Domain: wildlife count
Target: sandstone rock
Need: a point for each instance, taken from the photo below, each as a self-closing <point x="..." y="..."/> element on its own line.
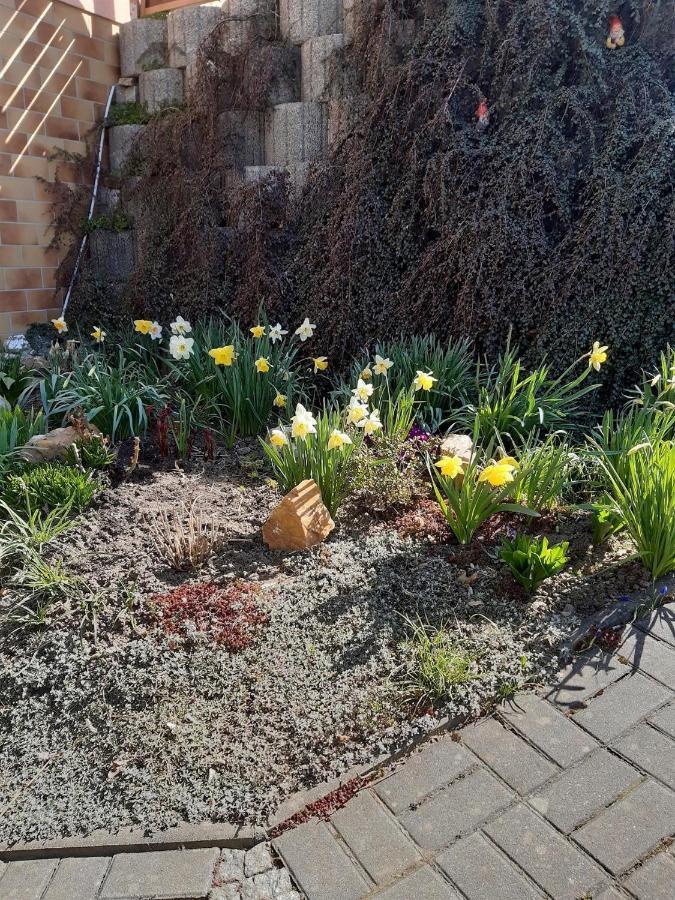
<point x="458" y="445"/>
<point x="53" y="445"/>
<point x="300" y="521"/>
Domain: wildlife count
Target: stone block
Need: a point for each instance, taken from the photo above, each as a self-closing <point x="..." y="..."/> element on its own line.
<point x="27" y="879"/>
<point x="480" y="871"/>
<point x="562" y="870"/>
<point x="242" y="137"/>
<point x="623" y="704"/>
<point x="424" y="884"/>
<point x="630" y="828"/>
<point x="456" y="809"/>
<point x="160" y="88"/>
<point x="187" y="29"/>
<point x="77" y="878"/>
<point x="300" y="521"/>
<point x="173" y="873"/>
<point x="121" y="142"/>
<point x="654" y="880"/>
<point x="651" y="751"/>
<point x="301" y="20"/>
<point x="521" y="767"/>
<point x="143" y="45"/>
<point x="278" y="67"/>
<point x="112" y="254"/>
<point x="246" y="21"/>
<point x="107" y="201"/>
<point x="319" y="864"/>
<point x="434" y="767"/>
<point x="375" y="837"/>
<point x="322" y="67"/>
<point x="548" y="729"/>
<point x="295" y="132"/>
<point x="584" y="789"/>
<point x="126" y="93"/>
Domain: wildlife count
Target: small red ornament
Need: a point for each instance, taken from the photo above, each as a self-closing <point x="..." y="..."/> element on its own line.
<point x="482" y="114"/>
<point x="615" y="38"/>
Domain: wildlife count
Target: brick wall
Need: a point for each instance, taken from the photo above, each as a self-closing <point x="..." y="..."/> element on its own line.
<point x="56" y="66"/>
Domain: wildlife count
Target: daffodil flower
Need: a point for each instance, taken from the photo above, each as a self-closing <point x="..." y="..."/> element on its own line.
<point x="181" y="347"/>
<point x="382" y="365"/>
<point x="306" y="330"/>
<point x="362" y="391"/>
<point x="262" y="364"/>
<point x="303" y="423"/>
<point x="180" y="326"/>
<point x="356" y="412"/>
<point x="142" y="326"/>
<point x="509" y="461"/>
<point x="98" y="335"/>
<point x="155" y="331"/>
<point x="497" y="474"/>
<point x="372" y="423"/>
<point x="277" y="332"/>
<point x="320" y="363"/>
<point x="366" y="374"/>
<point x="450" y="466"/>
<point x="257" y="331"/>
<point x="338" y="439"/>
<point x="424" y="381"/>
<point x="597" y="356"/>
<point x="223" y="356"/>
<point x="279" y="400"/>
<point x="278" y="438"/>
<point x="60" y="325"/>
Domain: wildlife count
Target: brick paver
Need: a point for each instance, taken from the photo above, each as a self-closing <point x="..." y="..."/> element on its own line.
<point x="424" y="884"/>
<point x="480" y="870"/>
<point x="664" y="719"/>
<point x="186" y="874"/>
<point x="654" y="879"/>
<point x="78" y="877"/>
<point x="651" y="751"/>
<point x="548" y="729"/>
<point x="521" y="767"/>
<point x="623" y="704"/>
<point x="27" y="880"/>
<point x="656" y="658"/>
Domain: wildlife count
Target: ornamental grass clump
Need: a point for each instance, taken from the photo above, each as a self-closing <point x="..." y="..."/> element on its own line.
<point x="16" y="429"/>
<point x="50" y="486"/>
<point x="531" y="559"/>
<point x="545" y="474"/>
<point x="437" y="663"/>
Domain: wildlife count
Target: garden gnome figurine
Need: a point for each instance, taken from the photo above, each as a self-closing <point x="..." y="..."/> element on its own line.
<point x="615" y="38"/>
<point x="482" y="115"/>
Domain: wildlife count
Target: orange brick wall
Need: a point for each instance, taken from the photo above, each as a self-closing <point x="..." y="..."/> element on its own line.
<point x="56" y="66"/>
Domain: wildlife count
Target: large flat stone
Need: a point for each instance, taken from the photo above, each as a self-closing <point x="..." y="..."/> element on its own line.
<point x="424" y="884"/>
<point x="27" y="879"/>
<point x="654" y="880"/>
<point x="651" y="751"/>
<point x="623" y="704"/>
<point x="375" y="837"/>
<point x="548" y="729"/>
<point x="319" y="864"/>
<point x="161" y="88"/>
<point x="77" y="878"/>
<point x="508" y="755"/>
<point x="583" y="677"/>
<point x="548" y="858"/>
<point x="656" y="658"/>
<point x="301" y="20"/>
<point x="582" y="790"/>
<point x="143" y="45"/>
<point x="456" y="809"/>
<point x="187" y="29"/>
<point x="480" y="871"/>
<point x="295" y="132"/>
<point x="629" y="829"/>
<point x="187" y="874"/>
<point x="423" y="773"/>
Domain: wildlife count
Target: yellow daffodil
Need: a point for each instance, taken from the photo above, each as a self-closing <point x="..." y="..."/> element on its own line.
<point x="597" y="356"/>
<point x="306" y="330"/>
<point x="223" y="356"/>
<point x="509" y="461"/>
<point x="366" y="374"/>
<point x="362" y="392"/>
<point x="143" y="326"/>
<point x="262" y="364"/>
<point x="382" y="365"/>
<point x="279" y="400"/>
<point x="258" y="331"/>
<point x="278" y="438"/>
<point x="60" y="325"/>
<point x="98" y="335"/>
<point x="450" y="466"/>
<point x="338" y="439"/>
<point x="303" y="423"/>
<point x="497" y="474"/>
<point x="356" y="412"/>
<point x="320" y="363"/>
<point x="424" y="381"/>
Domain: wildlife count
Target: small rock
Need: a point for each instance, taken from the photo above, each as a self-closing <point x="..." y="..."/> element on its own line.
<point x="53" y="445"/>
<point x="230" y="866"/>
<point x="258" y="860"/>
<point x="17" y="343"/>
<point x="458" y="445"/>
<point x="300" y="521"/>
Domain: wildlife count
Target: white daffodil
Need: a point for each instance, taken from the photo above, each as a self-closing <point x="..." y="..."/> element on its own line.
<point x="306" y="330"/>
<point x="60" y="325"/>
<point x="155" y="331"/>
<point x="180" y="326"/>
<point x="363" y="391"/>
<point x="181" y="347"/>
<point x="338" y="439"/>
<point x="382" y="364"/>
<point x="302" y="423"/>
<point x="277" y="332"/>
<point x="372" y="423"/>
<point x="357" y="412"/>
<point x="278" y="437"/>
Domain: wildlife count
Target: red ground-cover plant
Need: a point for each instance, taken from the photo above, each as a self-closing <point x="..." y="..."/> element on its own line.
<point x="230" y="615"/>
<point x="323" y="808"/>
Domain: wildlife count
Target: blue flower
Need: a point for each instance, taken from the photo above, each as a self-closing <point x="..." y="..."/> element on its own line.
<point x="624" y="598"/>
<point x="663" y="590"/>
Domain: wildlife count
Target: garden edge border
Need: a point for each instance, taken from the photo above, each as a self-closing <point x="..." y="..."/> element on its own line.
<point x="226" y="835"/>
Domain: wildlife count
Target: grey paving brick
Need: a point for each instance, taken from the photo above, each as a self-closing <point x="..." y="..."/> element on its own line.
<point x="27" y="880"/>
<point x="654" y="880"/>
<point x="456" y="809"/>
<point x="423" y="773"/>
<point x="610" y="893"/>
<point x="581" y="791"/>
<point x="660" y="623"/>
<point x="319" y="864"/>
<point x="480" y="871"/>
<point x="375" y="837"/>
<point x="630" y="828"/>
<point x="78" y="877"/>
<point x="584" y="676"/>
<point x="424" y="884"/>
<point x="173" y="873"/>
<point x="548" y="858"/>
<point x="3" y="866"/>
<point x="508" y="755"/>
<point x="548" y="729"/>
<point x="656" y="658"/>
<point x="622" y="705"/>
<point x="651" y="751"/>
<point x="665" y="719"/>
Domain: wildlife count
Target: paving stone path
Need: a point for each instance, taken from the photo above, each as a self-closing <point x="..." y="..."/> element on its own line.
<point x="568" y="795"/>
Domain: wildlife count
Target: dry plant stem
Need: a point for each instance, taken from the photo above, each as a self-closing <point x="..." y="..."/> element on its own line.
<point x="186" y="538"/>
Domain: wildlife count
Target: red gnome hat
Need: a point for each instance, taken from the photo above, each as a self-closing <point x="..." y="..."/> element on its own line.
<point x="483" y="114"/>
<point x="615" y="38"/>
